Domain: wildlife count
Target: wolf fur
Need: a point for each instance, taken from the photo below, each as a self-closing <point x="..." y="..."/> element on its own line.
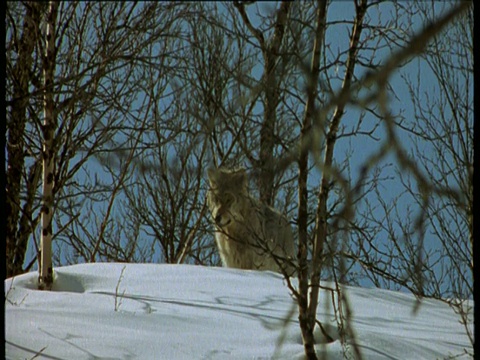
<point x="249" y="234"/>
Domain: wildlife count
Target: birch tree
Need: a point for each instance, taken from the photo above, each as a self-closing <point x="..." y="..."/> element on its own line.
<point x="45" y="279"/>
<point x="98" y="68"/>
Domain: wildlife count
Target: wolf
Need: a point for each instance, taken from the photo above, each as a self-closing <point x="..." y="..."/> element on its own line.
<point x="249" y="234"/>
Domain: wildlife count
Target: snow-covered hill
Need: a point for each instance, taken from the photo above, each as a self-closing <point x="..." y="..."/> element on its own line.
<point x="147" y="311"/>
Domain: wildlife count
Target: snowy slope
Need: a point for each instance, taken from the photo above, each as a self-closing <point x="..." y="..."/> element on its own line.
<point x="147" y="311"/>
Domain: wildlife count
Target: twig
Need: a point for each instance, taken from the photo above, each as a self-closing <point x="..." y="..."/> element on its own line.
<point x="118" y="298"/>
<point x="39" y="352"/>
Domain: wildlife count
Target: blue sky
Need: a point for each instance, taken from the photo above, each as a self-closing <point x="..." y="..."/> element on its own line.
<point x="360" y="146"/>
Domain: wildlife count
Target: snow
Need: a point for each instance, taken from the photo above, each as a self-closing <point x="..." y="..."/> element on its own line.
<point x="149" y="311"/>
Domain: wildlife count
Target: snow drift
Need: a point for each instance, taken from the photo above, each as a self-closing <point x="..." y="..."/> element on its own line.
<point x="147" y="311"/>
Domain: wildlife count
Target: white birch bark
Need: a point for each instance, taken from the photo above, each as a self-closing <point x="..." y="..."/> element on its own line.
<point x="45" y="278"/>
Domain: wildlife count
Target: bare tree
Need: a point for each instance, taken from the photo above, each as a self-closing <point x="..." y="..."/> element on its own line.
<point x="21" y="40"/>
<point x="101" y="53"/>
<point x="307" y="322"/>
<point x="45" y="277"/>
<point x="364" y="86"/>
<point x="443" y="136"/>
<point x="167" y="196"/>
<point x="445" y="123"/>
<point x="271" y="51"/>
<point x="146" y="96"/>
<point x="330" y="173"/>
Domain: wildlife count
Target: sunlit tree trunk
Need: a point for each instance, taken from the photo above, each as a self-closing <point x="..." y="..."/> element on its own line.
<point x="45" y="268"/>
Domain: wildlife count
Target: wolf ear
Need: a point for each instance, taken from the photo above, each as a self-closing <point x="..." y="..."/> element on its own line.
<point x="212" y="176"/>
<point x="240" y="179"/>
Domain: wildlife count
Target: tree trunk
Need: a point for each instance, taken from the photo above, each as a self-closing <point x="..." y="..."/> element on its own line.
<point x="306" y="325"/>
<point x="271" y="55"/>
<point x="45" y="268"/>
<point x="15" y="141"/>
<point x="321" y="216"/>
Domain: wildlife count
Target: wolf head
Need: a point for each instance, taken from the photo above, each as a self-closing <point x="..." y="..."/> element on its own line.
<point x="226" y="196"/>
